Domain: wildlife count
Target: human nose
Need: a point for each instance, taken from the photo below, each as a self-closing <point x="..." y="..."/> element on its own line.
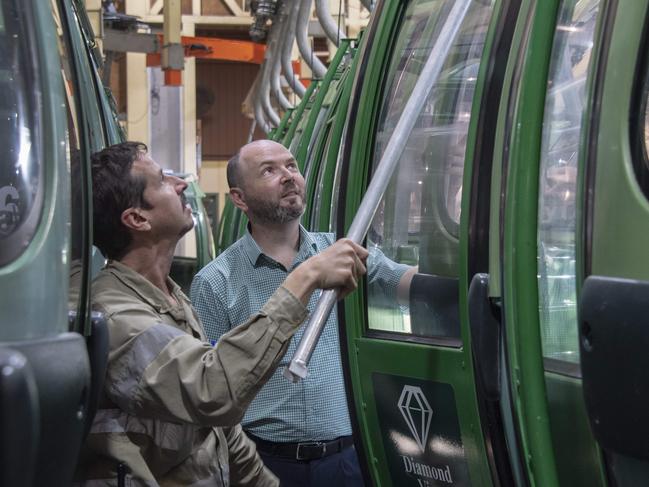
<point x="287" y="175"/>
<point x="180" y="184"/>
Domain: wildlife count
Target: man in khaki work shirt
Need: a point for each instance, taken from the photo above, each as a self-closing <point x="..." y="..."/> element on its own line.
<point x="172" y="402"/>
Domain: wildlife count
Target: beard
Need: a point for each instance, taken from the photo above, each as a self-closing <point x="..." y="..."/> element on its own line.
<point x="274" y="212"/>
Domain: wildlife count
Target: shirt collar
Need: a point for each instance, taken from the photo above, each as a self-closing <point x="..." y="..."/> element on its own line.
<point x="145" y="288"/>
<point x="308" y="246"/>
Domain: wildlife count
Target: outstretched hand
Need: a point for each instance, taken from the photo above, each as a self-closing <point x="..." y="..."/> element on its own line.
<point x="338" y="267"/>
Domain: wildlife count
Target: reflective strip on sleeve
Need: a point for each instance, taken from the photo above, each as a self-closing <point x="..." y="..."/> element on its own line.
<point x="130" y="482"/>
<point x="170" y="436"/>
<point x="142" y="350"/>
<point x="213" y="481"/>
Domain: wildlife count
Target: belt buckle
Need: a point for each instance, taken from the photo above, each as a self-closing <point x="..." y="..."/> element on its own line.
<point x="298" y="450"/>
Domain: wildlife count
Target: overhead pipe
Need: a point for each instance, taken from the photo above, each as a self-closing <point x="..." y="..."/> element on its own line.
<point x="276" y="84"/>
<point x="273" y="116"/>
<point x="301" y="29"/>
<point x="264" y="93"/>
<point x="258" y="111"/>
<point x="275" y="44"/>
<point x="287" y="49"/>
<point x="298" y="367"/>
<point x="327" y="22"/>
<point x="251" y="132"/>
<point x="260" y="117"/>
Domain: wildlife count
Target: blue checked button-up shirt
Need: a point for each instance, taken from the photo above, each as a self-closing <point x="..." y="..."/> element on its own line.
<point x="237" y="284"/>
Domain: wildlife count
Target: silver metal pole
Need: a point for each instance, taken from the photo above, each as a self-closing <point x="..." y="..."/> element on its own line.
<point x="297" y="369"/>
<point x="327" y="22"/>
<point x="301" y="28"/>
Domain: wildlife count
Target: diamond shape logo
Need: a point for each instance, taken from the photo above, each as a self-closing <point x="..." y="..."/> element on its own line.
<point x="417" y="413"/>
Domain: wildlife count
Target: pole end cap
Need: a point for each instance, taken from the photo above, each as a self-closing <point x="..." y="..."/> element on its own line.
<point x="295" y="371"/>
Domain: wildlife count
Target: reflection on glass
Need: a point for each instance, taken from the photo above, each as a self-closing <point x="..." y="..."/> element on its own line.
<point x="646" y="127"/>
<point x="320" y="189"/>
<point x="20" y="167"/>
<point x="564" y="107"/>
<point x="417" y="221"/>
<point x="77" y="182"/>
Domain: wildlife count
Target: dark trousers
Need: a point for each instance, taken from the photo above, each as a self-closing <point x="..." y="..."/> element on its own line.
<point x="337" y="470"/>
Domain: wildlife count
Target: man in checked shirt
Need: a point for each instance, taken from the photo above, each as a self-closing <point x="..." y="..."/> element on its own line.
<point x="302" y="430"/>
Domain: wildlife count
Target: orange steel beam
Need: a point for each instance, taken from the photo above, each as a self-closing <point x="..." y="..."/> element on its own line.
<point x="173" y="77"/>
<point x="214" y="48"/>
<point x="297" y="69"/>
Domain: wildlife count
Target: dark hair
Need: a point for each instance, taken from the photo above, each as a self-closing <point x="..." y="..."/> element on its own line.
<point x="115" y="189"/>
<point x="234" y="172"/>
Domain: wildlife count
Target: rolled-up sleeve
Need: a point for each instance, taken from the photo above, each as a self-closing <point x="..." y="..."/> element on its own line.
<point x="384" y="273"/>
<point x="160" y="371"/>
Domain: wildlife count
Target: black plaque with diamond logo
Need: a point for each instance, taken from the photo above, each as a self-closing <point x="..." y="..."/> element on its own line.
<point x="420" y="431"/>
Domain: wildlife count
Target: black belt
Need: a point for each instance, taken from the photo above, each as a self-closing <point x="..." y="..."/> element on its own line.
<point x="308" y="450"/>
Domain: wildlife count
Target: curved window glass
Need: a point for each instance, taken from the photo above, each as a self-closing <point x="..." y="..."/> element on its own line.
<point x="319" y="193"/>
<point x="641" y="138"/>
<point x="21" y="172"/>
<point x="417" y="221"/>
<point x="78" y="232"/>
<point x="562" y="126"/>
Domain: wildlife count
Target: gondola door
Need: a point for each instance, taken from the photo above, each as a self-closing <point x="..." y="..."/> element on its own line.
<point x="539" y="241"/>
<point x="614" y="297"/>
<point x="408" y="341"/>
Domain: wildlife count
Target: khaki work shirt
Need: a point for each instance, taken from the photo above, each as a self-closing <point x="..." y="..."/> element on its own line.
<point x="172" y="401"/>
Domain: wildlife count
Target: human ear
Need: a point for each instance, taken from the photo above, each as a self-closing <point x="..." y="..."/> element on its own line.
<point x="134" y="219"/>
<point x="238" y="199"/>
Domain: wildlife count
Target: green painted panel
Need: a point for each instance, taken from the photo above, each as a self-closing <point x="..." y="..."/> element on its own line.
<point x="42" y="269"/>
<point x="224" y="226"/>
<point x="278" y="133"/>
<point x="576" y="454"/>
<point x="298" y="113"/>
<point x="520" y="286"/>
<point x="229" y="225"/>
<point x="377" y="352"/>
<point x="324" y="140"/>
<point x="301" y="146"/>
<point x="621" y="212"/>
<point x="419" y="416"/>
<point x="415" y="364"/>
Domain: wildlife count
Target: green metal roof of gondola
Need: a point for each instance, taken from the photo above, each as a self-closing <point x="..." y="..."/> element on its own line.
<point x="300" y="146"/>
<point x="307" y="101"/>
<point x="228" y="226"/>
<point x="277" y="134"/>
<point x="319" y="178"/>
